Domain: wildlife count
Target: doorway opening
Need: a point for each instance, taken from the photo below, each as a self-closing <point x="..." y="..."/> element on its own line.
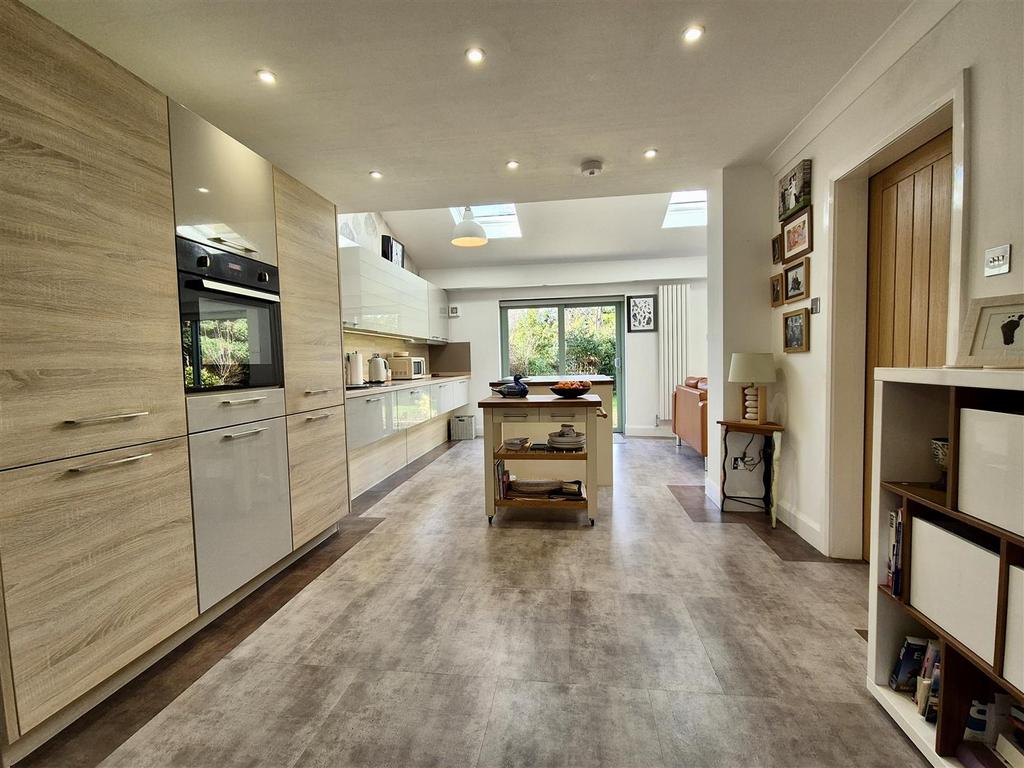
<point x="562" y="337"/>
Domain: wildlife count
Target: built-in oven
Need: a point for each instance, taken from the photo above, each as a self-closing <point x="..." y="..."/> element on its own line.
<point x="230" y="320"/>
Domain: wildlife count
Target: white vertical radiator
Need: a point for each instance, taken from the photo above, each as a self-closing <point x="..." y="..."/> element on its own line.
<point x="671" y="344"/>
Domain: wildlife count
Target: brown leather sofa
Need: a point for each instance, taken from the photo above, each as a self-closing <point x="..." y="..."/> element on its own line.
<point x="690" y="413"/>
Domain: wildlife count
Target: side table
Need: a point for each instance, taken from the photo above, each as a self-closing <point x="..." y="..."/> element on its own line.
<point x="771" y="447"/>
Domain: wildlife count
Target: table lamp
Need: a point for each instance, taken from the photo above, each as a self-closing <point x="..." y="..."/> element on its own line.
<point x="753" y="370"/>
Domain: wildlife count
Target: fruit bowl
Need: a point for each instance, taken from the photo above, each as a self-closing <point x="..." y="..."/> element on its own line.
<point x="571" y="388"/>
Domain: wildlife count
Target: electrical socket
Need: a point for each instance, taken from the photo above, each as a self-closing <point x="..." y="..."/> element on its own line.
<point x="736" y="462"/>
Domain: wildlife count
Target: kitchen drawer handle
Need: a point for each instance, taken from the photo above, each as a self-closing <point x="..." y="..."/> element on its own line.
<point x="320" y="391"/>
<point x="236" y="435"/>
<point x="569" y="415"/>
<point x="373" y="399"/>
<point x="415" y="391"/>
<point x="515" y="415"/>
<point x="441" y="386"/>
<point x="243" y="400"/>
<point x="318" y="417"/>
<point x="114" y="463"/>
<point x="230" y="244"/>
<point x="110" y="417"/>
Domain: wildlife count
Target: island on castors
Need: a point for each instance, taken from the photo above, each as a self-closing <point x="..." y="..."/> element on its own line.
<point x="550" y="411"/>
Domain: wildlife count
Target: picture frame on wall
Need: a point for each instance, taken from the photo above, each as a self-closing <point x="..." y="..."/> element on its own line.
<point x="796" y="280"/>
<point x="778" y="299"/>
<point x="642" y="313"/>
<point x="798" y="235"/>
<point x="777" y="249"/>
<point x="795" y="189"/>
<point x="993" y="333"/>
<point x="796" y="331"/>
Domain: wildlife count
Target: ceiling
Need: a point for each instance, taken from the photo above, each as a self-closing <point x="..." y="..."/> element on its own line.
<point x="591" y="229"/>
<point x="383" y="84"/>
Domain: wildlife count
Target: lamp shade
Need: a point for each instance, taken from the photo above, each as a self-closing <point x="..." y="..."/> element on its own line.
<point x="752" y="368"/>
<point x="468" y="233"/>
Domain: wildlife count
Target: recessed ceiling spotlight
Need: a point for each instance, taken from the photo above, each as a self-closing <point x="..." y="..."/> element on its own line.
<point x="475" y="55"/>
<point x="512" y="164"/>
<point x="376" y="175"/>
<point x="651" y="153"/>
<point x="204" y="190"/>
<point x="693" y="33"/>
<point x="266" y="76"/>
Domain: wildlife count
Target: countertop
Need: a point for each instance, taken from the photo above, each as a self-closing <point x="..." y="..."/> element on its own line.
<point x="400" y="384"/>
<point x="541" y="401"/>
<point x="549" y="380"/>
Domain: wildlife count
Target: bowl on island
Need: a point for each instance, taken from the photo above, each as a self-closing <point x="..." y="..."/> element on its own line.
<point x="571" y="388"/>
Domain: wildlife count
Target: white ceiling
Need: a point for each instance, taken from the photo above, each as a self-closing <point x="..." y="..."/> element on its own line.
<point x="590" y="229"/>
<point x="383" y="84"/>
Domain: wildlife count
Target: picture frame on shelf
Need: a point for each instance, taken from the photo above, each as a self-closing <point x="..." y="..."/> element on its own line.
<point x="778" y="299"/>
<point x="777" y="249"/>
<point x="798" y="235"/>
<point x="796" y="331"/>
<point x="993" y="333"/>
<point x="642" y="313"/>
<point x="795" y="190"/>
<point x="796" y="280"/>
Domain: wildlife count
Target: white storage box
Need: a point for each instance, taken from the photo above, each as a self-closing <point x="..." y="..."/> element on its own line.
<point x="955" y="583"/>
<point x="991" y="469"/>
<point x="463" y="427"/>
<point x="1013" y="659"/>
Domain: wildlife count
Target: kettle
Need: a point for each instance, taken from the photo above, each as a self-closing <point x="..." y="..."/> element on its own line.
<point x="378" y="370"/>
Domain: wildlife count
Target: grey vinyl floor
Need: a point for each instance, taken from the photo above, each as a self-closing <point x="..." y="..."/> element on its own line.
<point x="649" y="640"/>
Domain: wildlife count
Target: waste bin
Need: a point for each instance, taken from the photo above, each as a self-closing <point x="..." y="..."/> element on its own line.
<point x="463" y="427"/>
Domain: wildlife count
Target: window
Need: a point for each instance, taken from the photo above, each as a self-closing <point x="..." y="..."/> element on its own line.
<point x="687" y="209"/>
<point x="499" y="221"/>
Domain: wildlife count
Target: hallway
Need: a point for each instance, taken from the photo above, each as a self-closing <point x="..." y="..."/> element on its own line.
<point x="649" y="640"/>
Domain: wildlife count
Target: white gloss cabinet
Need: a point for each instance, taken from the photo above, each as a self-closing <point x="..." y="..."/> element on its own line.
<point x="437" y="309"/>
<point x="992" y="467"/>
<point x="223" y="191"/>
<point x="370" y="419"/>
<point x="1013" y="660"/>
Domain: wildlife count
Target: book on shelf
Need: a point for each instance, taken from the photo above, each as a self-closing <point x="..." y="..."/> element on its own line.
<point x="502" y="478"/>
<point x="908" y="664"/>
<point x="894" y="562"/>
<point x="931" y="708"/>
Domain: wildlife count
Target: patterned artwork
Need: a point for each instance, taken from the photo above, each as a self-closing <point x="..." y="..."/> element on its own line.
<point x="642" y="313"/>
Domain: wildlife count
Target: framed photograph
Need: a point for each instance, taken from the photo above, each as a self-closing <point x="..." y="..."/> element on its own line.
<point x="798" y="235"/>
<point x="392" y="250"/>
<point x="642" y="313"/>
<point x="796" y="331"/>
<point x="993" y="333"/>
<point x="796" y="278"/>
<point x="777" y="249"/>
<point x="795" y="189"/>
<point x="777" y="298"/>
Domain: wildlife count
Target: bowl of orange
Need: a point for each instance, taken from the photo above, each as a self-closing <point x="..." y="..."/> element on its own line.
<point x="571" y="388"/>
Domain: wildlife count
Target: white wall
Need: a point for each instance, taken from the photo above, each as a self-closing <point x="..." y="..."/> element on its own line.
<point x="480" y="325"/>
<point x="858" y="117"/>
<point x="365" y="229"/>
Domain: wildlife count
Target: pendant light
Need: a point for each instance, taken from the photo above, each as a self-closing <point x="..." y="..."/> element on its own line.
<point x="468" y="233"/>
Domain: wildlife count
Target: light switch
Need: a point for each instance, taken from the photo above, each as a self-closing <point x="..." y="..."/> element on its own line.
<point x="997" y="260"/>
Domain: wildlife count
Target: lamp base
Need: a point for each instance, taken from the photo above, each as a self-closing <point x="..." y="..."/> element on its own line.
<point x="754" y="405"/>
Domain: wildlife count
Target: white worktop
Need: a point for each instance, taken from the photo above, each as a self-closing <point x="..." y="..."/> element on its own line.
<point x="401" y="384"/>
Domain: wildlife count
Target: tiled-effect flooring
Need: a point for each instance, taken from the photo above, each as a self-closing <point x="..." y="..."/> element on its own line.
<point x="649" y="640"/>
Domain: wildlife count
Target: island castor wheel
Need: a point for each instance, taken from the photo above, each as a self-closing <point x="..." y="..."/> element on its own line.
<point x="591" y="522"/>
<point x="489" y="519"/>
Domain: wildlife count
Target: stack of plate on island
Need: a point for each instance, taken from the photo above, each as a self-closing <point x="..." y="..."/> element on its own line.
<point x="517" y="444"/>
<point x="568" y="439"/>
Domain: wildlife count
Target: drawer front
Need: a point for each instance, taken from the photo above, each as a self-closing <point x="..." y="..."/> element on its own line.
<point x="460" y="393"/>
<point x="568" y="414"/>
<point x="955" y="583"/>
<point x="369" y="419"/>
<point x="317" y="472"/>
<point x="240" y="503"/>
<point x="412" y="406"/>
<point x="1013" y="660"/>
<point x="98" y="567"/>
<point x="991" y="483"/>
<point x="515" y="415"/>
<point x="225" y="409"/>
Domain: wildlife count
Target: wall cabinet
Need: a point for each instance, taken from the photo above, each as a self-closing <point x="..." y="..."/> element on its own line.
<point x="370" y="419"/>
<point x="89" y="307"/>
<point x="98" y="567"/>
<point x="223" y="191"/>
<point x="318" y="472"/>
<point x="437" y="309"/>
<point x="310" y="303"/>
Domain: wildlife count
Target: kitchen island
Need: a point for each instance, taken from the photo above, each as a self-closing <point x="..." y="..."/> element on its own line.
<point x="546" y="412"/>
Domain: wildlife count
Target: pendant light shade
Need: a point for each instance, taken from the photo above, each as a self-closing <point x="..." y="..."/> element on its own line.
<point x="468" y="233"/>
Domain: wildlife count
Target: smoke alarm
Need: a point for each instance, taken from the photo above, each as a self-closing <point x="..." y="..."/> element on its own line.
<point x="591" y="167"/>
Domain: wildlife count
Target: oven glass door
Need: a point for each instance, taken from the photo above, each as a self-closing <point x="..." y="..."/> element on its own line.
<point x="228" y="341"/>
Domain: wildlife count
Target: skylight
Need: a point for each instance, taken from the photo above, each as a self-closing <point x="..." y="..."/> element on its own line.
<point x="687" y="209"/>
<point x="499" y="220"/>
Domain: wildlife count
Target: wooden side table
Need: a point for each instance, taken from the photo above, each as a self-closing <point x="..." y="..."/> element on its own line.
<point x="771" y="447"/>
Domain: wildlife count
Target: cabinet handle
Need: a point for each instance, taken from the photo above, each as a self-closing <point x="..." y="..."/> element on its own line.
<point x="230" y="244"/>
<point x="569" y="415"/>
<point x="602" y="413"/>
<point x="320" y="391"/>
<point x="244" y="400"/>
<point x="373" y="399"/>
<point x="109" y="417"/>
<point x="114" y="463"/>
<point x="441" y="386"/>
<point x="515" y="416"/>
<point x="415" y="391"/>
<point x="318" y="417"/>
<point x="248" y="432"/>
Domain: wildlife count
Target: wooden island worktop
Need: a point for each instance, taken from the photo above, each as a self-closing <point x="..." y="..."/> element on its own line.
<point x="538" y="410"/>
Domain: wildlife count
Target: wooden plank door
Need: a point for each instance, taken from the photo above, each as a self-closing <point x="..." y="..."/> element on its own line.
<point x="908" y="273"/>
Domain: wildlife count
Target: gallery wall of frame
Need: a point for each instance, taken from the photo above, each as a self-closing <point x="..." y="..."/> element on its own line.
<point x="791" y="250"/>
